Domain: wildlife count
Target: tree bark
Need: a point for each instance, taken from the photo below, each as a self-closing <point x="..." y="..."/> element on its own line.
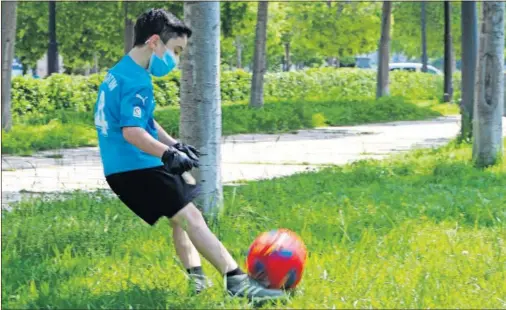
<point x="188" y="127"/>
<point x="8" y="40"/>
<point x="129" y="29"/>
<point x="201" y="100"/>
<point x="259" y="58"/>
<point x="448" y="90"/>
<point x="424" y="35"/>
<point x="287" y="56"/>
<point x="382" y="88"/>
<point x="489" y="96"/>
<point x="469" y="24"/>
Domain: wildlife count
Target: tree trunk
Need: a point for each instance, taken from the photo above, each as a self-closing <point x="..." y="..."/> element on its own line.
<point x="489" y="96"/>
<point x="424" y="36"/>
<point x="201" y="101"/>
<point x="287" y="56"/>
<point x="238" y="52"/>
<point x="52" y="54"/>
<point x="95" y="68"/>
<point x="448" y="90"/>
<point x="8" y="40"/>
<point x="384" y="51"/>
<point x="259" y="61"/>
<point x="469" y="24"/>
<point x="129" y="29"/>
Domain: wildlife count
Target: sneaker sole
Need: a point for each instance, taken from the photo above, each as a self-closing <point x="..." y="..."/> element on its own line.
<point x="260" y="299"/>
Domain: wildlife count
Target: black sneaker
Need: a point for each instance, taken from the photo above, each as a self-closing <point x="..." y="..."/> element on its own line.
<point x="244" y="286"/>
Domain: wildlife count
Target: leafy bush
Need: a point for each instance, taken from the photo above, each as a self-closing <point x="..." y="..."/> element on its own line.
<point x="24" y="139"/>
<point x="29" y="96"/>
<point x="78" y="93"/>
<point x="284" y="116"/>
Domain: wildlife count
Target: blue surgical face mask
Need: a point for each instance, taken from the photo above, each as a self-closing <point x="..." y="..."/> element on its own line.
<point x="162" y="66"/>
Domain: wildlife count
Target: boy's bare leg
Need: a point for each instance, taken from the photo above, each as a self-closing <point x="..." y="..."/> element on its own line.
<point x="190" y="258"/>
<point x="185" y="249"/>
<point x="237" y="283"/>
<point x="203" y="239"/>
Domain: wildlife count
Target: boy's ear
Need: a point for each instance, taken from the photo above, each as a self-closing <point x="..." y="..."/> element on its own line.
<point x="153" y="40"/>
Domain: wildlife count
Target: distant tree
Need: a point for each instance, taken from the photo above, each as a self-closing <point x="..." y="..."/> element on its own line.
<point x="382" y="88"/>
<point x="259" y="59"/>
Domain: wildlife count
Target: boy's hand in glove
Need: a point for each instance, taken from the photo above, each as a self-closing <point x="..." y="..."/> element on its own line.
<point x="177" y="162"/>
<point x="189" y="150"/>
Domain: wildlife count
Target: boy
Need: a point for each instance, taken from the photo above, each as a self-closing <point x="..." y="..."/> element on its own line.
<point x="143" y="165"/>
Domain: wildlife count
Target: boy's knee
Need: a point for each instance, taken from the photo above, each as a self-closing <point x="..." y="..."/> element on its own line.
<point x="189" y="216"/>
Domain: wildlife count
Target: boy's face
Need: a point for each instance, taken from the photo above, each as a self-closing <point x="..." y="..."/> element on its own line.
<point x="175" y="45"/>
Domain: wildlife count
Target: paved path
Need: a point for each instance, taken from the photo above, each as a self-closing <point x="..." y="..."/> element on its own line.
<point x="244" y="157"/>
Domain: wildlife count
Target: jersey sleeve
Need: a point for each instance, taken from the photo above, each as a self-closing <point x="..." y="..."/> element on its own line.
<point x="135" y="108"/>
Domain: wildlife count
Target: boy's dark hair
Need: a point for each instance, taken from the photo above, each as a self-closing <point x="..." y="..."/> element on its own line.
<point x="160" y="22"/>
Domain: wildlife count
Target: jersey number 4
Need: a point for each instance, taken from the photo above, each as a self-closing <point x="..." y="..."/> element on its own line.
<point x="100" y="121"/>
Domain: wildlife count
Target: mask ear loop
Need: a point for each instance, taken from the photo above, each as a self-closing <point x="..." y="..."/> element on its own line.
<point x="165" y="47"/>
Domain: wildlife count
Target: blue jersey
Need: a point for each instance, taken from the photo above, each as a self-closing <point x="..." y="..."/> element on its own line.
<point x="125" y="99"/>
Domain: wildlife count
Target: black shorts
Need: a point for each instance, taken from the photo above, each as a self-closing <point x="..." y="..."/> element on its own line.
<point x="152" y="193"/>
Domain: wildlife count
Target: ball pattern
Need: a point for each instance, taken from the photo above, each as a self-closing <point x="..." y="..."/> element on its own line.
<point x="277" y="258"/>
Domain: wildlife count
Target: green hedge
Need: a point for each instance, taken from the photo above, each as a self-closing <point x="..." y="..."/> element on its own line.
<point x="72" y="129"/>
<point x="78" y="93"/>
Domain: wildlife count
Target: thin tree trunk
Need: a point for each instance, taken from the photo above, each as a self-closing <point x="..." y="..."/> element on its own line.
<point x="8" y="40"/>
<point x="238" y="52"/>
<point x="489" y="96"/>
<point x="469" y="24"/>
<point x="448" y="90"/>
<point x="95" y="63"/>
<point x="287" y="56"/>
<point x="424" y="35"/>
<point x="52" y="54"/>
<point x="382" y="88"/>
<point x="25" y="66"/>
<point x="201" y="101"/>
<point x="129" y="29"/>
<point x="259" y="58"/>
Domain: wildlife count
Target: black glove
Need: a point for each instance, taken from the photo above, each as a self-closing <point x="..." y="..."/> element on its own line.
<point x="177" y="162"/>
<point x="189" y="150"/>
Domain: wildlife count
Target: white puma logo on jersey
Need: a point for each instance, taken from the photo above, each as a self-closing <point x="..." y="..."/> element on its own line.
<point x="141" y="98"/>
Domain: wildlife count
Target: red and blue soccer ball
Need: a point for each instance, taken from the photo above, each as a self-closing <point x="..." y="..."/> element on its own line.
<point x="277" y="258"/>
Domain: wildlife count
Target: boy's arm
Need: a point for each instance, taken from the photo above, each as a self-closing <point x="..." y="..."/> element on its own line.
<point x="163" y="136"/>
<point x="144" y="141"/>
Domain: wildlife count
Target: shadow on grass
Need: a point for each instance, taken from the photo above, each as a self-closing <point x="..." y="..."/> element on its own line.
<point x="135" y="297"/>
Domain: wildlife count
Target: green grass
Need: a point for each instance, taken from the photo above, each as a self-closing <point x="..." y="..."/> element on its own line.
<point x="442" y="108"/>
<point x="64" y="129"/>
<point x="422" y="230"/>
